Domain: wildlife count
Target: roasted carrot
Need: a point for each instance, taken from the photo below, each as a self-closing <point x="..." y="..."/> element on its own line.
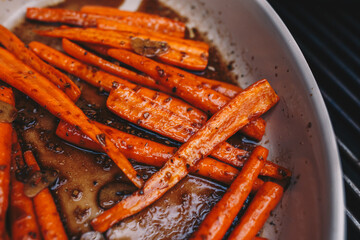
<point x="6" y="95"/>
<point x="192" y="91"/>
<point x="37" y="87"/>
<point x="255" y="216"/>
<point x="17" y="47"/>
<point x="57" y="15"/>
<point x="143" y="20"/>
<point x="122" y="40"/>
<point x="22" y="215"/>
<point x="48" y="217"/>
<point x="97" y="48"/>
<point x="250" y="103"/>
<point x="219" y="219"/>
<point x="156" y="154"/>
<point x="107" y="81"/>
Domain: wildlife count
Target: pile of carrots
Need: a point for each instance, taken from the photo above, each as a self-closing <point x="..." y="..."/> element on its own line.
<point x="198" y="112"/>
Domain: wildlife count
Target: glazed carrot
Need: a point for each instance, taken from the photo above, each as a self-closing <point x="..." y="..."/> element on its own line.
<point x="182" y="85"/>
<point x="255" y="216"/>
<point x="17" y="47"/>
<point x="122" y="40"/>
<point x="219" y="219"/>
<point x="253" y="101"/>
<point x="177" y="106"/>
<point x="6" y="95"/>
<point x="48" y="217"/>
<point x="107" y="81"/>
<point x="143" y="20"/>
<point x="31" y="83"/>
<point x="156" y="154"/>
<point x="133" y="107"/>
<point x="97" y="48"/>
<point x="23" y="223"/>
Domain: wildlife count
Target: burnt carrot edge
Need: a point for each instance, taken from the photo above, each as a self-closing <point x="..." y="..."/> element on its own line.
<point x="33" y="84"/>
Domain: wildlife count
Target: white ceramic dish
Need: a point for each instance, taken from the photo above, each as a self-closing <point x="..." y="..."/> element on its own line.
<point x="299" y="133"/>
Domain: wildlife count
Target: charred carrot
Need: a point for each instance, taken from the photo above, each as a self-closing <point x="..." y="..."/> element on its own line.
<point x="97" y="48"/>
<point x="121" y="40"/>
<point x="192" y="91"/>
<point x="48" y="217"/>
<point x="219" y="219"/>
<point x="7" y="97"/>
<point x="22" y="215"/>
<point x="156" y="154"/>
<point x="177" y="106"/>
<point x="46" y="94"/>
<point x="143" y="20"/>
<point x="17" y="47"/>
<point x="255" y="100"/>
<point x="107" y="81"/>
<point x="255" y="216"/>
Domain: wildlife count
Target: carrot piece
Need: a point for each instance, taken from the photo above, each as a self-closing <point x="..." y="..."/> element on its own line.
<point x="131" y="106"/>
<point x="142" y="20"/>
<point x="122" y="40"/>
<point x="57" y="15"/>
<point x="17" y="47"/>
<point x="22" y="215"/>
<point x="97" y="48"/>
<point x="6" y="95"/>
<point x="255" y="216"/>
<point x="190" y="90"/>
<point x="48" y="217"/>
<point x="31" y="83"/>
<point x="219" y="219"/>
<point x="254" y="100"/>
<point x="106" y="81"/>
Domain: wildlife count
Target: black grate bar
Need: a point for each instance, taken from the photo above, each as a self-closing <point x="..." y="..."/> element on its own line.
<point x="348" y="153"/>
<point x="326" y="51"/>
<point x="335" y="40"/>
<point x="352" y="185"/>
<point x="352" y="219"/>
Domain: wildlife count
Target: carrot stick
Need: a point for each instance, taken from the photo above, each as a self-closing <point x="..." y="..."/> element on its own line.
<point x="6" y="95"/>
<point x="107" y="81"/>
<point x="219" y="219"/>
<point x="142" y="20"/>
<point x="17" y="47"/>
<point x="121" y="40"/>
<point x="255" y="216"/>
<point x="48" y="217"/>
<point x="192" y="91"/>
<point x="156" y="154"/>
<point x="247" y="105"/>
<point x="146" y="151"/>
<point x="22" y="215"/>
<point x="31" y="83"/>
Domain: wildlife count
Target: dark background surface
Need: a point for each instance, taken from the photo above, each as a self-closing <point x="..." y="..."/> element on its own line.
<point x="328" y="33"/>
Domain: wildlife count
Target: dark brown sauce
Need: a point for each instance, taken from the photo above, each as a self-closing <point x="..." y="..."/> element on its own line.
<point x="83" y="173"/>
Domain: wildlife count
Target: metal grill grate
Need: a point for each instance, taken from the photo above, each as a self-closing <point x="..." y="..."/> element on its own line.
<point x="328" y="33"/>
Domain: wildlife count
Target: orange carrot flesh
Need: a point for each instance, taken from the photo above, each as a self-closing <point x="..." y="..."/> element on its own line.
<point x="122" y="40"/>
<point x="22" y="215"/>
<point x="48" y="217"/>
<point x="143" y="20"/>
<point x="6" y="95"/>
<point x="255" y="216"/>
<point x="179" y="107"/>
<point x="219" y="219"/>
<point x="134" y="108"/>
<point x="17" y="47"/>
<point x="97" y="48"/>
<point x="28" y="81"/>
<point x="254" y="100"/>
